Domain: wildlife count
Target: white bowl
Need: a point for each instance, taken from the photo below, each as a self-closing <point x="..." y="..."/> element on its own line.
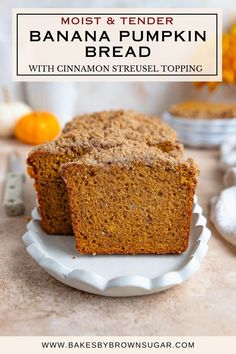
<point x="202" y="132"/>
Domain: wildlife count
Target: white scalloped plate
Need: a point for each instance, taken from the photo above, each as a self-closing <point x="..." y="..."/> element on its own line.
<point x="116" y="275"/>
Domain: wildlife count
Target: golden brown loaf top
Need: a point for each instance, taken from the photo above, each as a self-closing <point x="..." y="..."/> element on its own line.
<point x="203" y="110"/>
<point x="104" y="130"/>
<point x="135" y="152"/>
<point x="119" y="119"/>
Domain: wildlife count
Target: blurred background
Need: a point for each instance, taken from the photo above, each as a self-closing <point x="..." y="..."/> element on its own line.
<point x="68" y="99"/>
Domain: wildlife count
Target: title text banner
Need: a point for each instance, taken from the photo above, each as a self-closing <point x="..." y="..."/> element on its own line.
<point x="117" y="44"/>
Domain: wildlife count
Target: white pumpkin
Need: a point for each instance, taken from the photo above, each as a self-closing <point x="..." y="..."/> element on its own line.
<point x="10" y="112"/>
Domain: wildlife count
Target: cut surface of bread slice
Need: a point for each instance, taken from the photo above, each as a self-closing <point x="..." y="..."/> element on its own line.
<point x="131" y="200"/>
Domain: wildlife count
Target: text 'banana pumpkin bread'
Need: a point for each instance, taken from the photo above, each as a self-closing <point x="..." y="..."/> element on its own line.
<point x="82" y="136"/>
<point x="131" y="200"/>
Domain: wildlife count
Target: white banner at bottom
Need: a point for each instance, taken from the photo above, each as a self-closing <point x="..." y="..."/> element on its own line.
<point x="87" y="345"/>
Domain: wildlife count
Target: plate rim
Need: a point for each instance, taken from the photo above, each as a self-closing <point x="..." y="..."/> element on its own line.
<point x="127" y="285"/>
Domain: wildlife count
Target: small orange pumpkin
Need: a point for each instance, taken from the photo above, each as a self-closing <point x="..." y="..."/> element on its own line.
<point x="37" y="128"/>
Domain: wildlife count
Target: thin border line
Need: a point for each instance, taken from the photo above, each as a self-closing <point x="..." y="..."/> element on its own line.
<point x="115" y="75"/>
<point x="217" y="44"/>
<point x="17" y="72"/>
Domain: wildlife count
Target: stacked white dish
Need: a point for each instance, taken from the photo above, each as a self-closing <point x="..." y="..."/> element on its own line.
<point x="202" y="132"/>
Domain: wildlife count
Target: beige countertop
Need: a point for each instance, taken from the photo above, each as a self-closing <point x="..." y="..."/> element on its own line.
<point x="33" y="303"/>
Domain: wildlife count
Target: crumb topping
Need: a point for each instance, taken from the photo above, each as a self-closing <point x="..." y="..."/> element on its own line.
<point x="111" y="129"/>
<point x="127" y="155"/>
<point x="203" y="110"/>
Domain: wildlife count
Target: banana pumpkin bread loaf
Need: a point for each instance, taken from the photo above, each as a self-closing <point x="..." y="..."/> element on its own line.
<point x="85" y="135"/>
<point x="131" y="199"/>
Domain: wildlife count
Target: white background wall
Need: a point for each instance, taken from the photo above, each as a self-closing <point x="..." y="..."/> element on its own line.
<point x="68" y="99"/>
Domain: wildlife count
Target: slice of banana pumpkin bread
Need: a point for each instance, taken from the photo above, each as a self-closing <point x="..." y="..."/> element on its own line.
<point x="131" y="199"/>
<point x="85" y="135"/>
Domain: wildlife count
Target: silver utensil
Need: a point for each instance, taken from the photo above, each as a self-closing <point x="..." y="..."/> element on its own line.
<point x="13" y="202"/>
